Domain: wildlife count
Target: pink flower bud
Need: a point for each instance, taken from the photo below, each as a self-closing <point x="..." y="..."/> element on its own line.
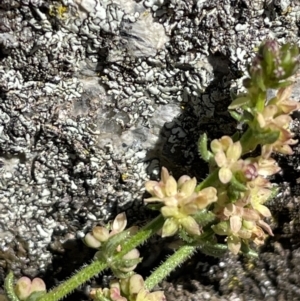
<point x="182" y="180"/>
<point x="23" y="288"/>
<point x="115" y="295"/>
<point x="38" y="285"/>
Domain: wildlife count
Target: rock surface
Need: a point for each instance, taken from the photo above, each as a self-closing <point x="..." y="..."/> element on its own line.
<point x="96" y="95"/>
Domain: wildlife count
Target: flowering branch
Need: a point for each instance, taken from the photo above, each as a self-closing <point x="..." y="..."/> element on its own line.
<point x="229" y="203"/>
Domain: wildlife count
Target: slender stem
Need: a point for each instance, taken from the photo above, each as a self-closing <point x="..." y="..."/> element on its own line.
<point x="141" y="236"/>
<point x="98" y="266"/>
<point x="260" y="100"/>
<point x="75" y="281"/>
<point x="211" y="180"/>
<point x="168" y="266"/>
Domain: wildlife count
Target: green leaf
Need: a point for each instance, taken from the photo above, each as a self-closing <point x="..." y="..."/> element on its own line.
<point x="202" y="148"/>
<point x="269" y="63"/>
<point x="109" y="247"/>
<point x="204" y="217"/>
<point x="126" y="263"/>
<point x="235" y="115"/>
<point x="286" y="58"/>
<point x="233" y="194"/>
<point x="237" y="185"/>
<point x="246" y="250"/>
<point x="186" y="237"/>
<point x="153" y="206"/>
<point x="258" y="79"/>
<point x="121" y="275"/>
<point x="239" y="102"/>
<point x="216" y="250"/>
<point x="247" y="117"/>
<point x="274" y="193"/>
<point x="278" y="85"/>
<point x="267" y="137"/>
<point x="236" y="136"/>
<point x="9" y="287"/>
<point x="35" y="296"/>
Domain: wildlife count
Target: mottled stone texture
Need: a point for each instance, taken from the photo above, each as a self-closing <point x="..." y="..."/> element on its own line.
<point x="96" y="95"/>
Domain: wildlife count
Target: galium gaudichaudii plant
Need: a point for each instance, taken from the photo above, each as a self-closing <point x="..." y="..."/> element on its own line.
<point x="226" y="211"/>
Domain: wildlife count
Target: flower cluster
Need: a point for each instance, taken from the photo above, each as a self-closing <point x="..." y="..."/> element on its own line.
<point x="242" y="192"/>
<point x="241" y="189"/>
<point x="226" y="155"/>
<point x="100" y="238"/>
<point x="273" y="65"/>
<point x="129" y="289"/>
<point x="101" y="234"/>
<point x="244" y="185"/>
<point x="268" y="120"/>
<point x="275" y="118"/>
<point x="180" y="201"/>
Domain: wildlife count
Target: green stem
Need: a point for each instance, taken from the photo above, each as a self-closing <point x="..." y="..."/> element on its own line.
<point x="211" y="180"/>
<point x="75" y="281"/>
<point x="168" y="266"/>
<point x="260" y="100"/>
<point x="141" y="236"/>
<point x="98" y="266"/>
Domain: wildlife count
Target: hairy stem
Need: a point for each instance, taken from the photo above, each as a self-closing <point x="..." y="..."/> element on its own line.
<point x="98" y="266"/>
<point x="141" y="236"/>
<point x="180" y="256"/>
<point x="75" y="281"/>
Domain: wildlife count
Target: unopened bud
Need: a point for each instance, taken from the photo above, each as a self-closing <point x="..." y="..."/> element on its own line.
<point x="100" y="233"/>
<point x="190" y="225"/>
<point x="170" y="227"/>
<point x="133" y="256"/>
<point x="119" y="223"/>
<point x="136" y="283"/>
<point x="91" y="241"/>
<point x="38" y="285"/>
<point x="23" y="288"/>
